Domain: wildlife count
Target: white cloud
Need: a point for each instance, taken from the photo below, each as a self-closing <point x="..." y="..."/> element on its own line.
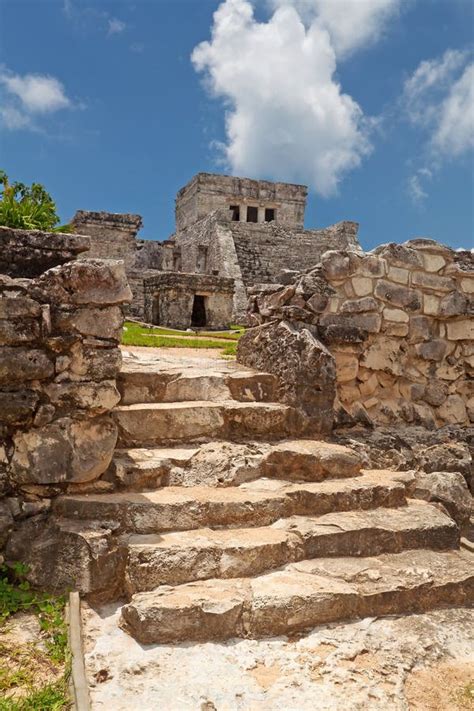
<point x="24" y="97"/>
<point x="438" y="98"/>
<point x="351" y="23"/>
<point x="115" y="26"/>
<point x="38" y="93"/>
<point x="287" y="117"/>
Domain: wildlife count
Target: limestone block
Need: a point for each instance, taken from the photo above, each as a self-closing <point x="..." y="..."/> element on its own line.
<point x="433" y="262"/>
<point x="96" y="398"/>
<point x="460" y="330"/>
<point x="98" y="282"/>
<point x="391" y="328"/>
<point x="371" y="402"/>
<point x="89" y="362"/>
<point x="369" y="386"/>
<point x="435" y="393"/>
<point x="421" y="328"/>
<point x="412" y="391"/>
<point x="279" y="298"/>
<point x="100" y="323"/>
<point x="18" y="307"/>
<point x="384" y="355"/>
<point x="304" y="367"/>
<point x="453" y="410"/>
<point x="17" y="406"/>
<point x="432" y="281"/>
<point x="370" y="322"/>
<point x="362" y="285"/>
<point x="399" y="296"/>
<point x="449" y="372"/>
<point x="453" y="304"/>
<point x="399" y="275"/>
<point x="20" y="331"/>
<point x="395" y="315"/>
<point x="399" y="255"/>
<point x="367" y="303"/>
<point x="372" y="267"/>
<point x="467" y="285"/>
<point x="65" y="450"/>
<point x="447" y="488"/>
<point x="318" y="302"/>
<point x="432" y="350"/>
<point x="338" y="265"/>
<point x="430" y="304"/>
<point x="349" y="393"/>
<point x="22" y="364"/>
<point x="347" y="367"/>
<point x="334" y="305"/>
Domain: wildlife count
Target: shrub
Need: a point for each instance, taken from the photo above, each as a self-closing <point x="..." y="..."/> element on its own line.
<point x="28" y="208"/>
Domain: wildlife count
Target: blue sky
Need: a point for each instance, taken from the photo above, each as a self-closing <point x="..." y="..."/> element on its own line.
<point x="369" y="102"/>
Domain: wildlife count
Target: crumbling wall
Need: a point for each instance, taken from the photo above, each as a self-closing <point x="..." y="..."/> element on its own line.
<point x="59" y="358"/>
<point x="399" y="324"/>
<point x="112" y="236"/>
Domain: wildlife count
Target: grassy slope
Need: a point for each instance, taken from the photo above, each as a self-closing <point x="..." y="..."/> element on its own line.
<point x="136" y="335"/>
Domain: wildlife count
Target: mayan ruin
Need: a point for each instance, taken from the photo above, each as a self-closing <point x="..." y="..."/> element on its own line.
<point x="237" y="356"/>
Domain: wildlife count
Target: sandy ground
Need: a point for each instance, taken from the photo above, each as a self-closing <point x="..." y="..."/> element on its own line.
<point x="418" y="662"/>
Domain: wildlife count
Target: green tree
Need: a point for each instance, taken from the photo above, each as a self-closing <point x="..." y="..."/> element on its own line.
<point x="28" y="208"/>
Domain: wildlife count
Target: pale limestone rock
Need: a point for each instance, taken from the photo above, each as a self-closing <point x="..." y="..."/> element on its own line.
<point x="372" y="267"/>
<point x="362" y="285"/>
<point x="432" y="281"/>
<point x="398" y="274"/>
<point x="433" y="262"/>
<point x="430" y="304"/>
<point x="467" y="285"/>
<point x="369" y="386"/>
<point x="460" y="330"/>
<point x="384" y="355"/>
<point x="447" y="488"/>
<point x="395" y="329"/>
<point x="453" y="410"/>
<point x="395" y="315"/>
<point x="347" y="367"/>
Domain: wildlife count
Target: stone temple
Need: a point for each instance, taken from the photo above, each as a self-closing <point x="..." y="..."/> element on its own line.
<point x="231" y="234"/>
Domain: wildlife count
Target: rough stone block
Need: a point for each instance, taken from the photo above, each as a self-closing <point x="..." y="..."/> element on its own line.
<point x="22" y="364"/>
<point x="433" y="262"/>
<point x="17" y="406"/>
<point x="18" y="307"/>
<point x="384" y="355"/>
<point x="430" y="304"/>
<point x="367" y="303"/>
<point x="467" y="285"/>
<point x="395" y="315"/>
<point x="362" y="285"/>
<point x="460" y="330"/>
<point x="432" y="350"/>
<point x="399" y="275"/>
<point x="453" y="304"/>
<point x="398" y="295"/>
<point x="347" y="367"/>
<point x="453" y="410"/>
<point x="432" y="281"/>
<point x="99" y="323"/>
<point x="20" y="331"/>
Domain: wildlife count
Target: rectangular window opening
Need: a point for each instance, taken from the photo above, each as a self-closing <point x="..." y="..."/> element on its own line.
<point x="235" y="210"/>
<point x="252" y="214"/>
<point x="269" y="214"/>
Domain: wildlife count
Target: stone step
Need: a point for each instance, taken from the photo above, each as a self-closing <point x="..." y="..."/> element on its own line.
<point x="162" y="423"/>
<point x="147" y="468"/>
<point x="256" y="504"/>
<point x="180" y="557"/>
<point x="228" y="464"/>
<point x="301" y="596"/>
<point x="150" y="386"/>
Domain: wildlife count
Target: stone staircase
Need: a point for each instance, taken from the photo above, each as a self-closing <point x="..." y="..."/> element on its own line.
<point x="223" y="524"/>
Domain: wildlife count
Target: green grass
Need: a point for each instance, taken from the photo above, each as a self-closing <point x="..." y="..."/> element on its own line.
<point x="31" y="676"/>
<point x="156" y="337"/>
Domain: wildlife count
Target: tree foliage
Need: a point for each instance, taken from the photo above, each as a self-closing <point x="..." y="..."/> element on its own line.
<point x="28" y="208"/>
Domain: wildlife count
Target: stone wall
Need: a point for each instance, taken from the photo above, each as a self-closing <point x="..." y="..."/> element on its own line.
<point x="399" y="324"/>
<point x="254" y="253"/>
<point x="207" y="192"/>
<point x="59" y="357"/>
<point x="113" y="236"/>
<point x="28" y="253"/>
<point x="169" y="299"/>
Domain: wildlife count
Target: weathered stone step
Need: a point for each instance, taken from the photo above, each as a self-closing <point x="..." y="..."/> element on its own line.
<point x="142" y="468"/>
<point x="180" y="557"/>
<point x="227" y="463"/>
<point x="302" y="595"/>
<point x="149" y="386"/>
<point x="259" y="503"/>
<point x="160" y="423"/>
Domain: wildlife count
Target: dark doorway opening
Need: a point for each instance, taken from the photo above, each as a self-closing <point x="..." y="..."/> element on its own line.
<point x="198" y="317"/>
<point x="252" y="214"/>
<point x="235" y="211"/>
<point x="269" y="214"/>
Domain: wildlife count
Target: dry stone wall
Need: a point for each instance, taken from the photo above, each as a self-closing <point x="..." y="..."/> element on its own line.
<point x="399" y="323"/>
<point x="59" y="358"/>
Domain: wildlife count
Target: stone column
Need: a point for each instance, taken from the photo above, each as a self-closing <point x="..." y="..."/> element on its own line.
<point x="261" y="214"/>
<point x="243" y="213"/>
